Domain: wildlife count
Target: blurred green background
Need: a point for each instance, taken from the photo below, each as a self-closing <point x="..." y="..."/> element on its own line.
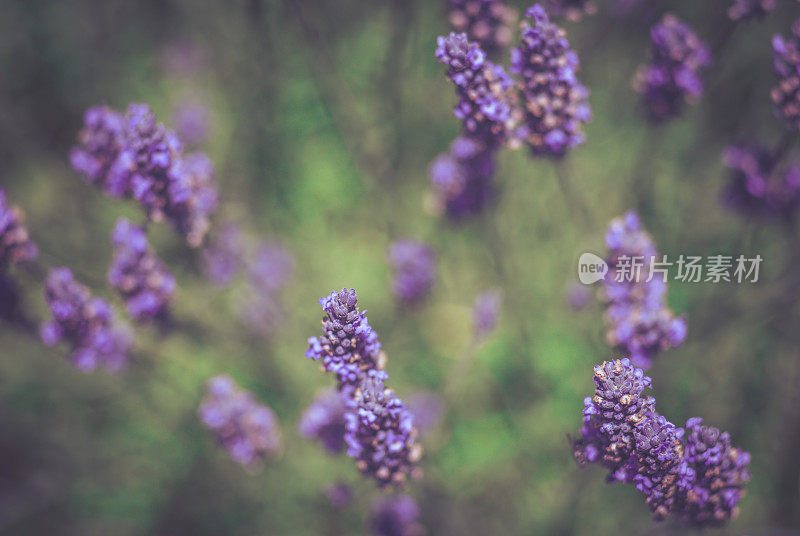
<point x="325" y="117"/>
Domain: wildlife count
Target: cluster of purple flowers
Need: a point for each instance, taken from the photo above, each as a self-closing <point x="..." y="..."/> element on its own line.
<point x="487" y="22"/>
<point x="756" y="188"/>
<point x="485" y="313"/>
<point x="554" y="101"/>
<point x="750" y="9"/>
<point x="16" y="245"/>
<point x="395" y="515"/>
<point x="484" y="90"/>
<point x="462" y="178"/>
<point x="379" y="430"/>
<point x="414" y="267"/>
<point x="786" y="64"/>
<point x="697" y="477"/>
<point x="140" y="277"/>
<point x="324" y="420"/>
<point x="246" y="429"/>
<point x="84" y="322"/>
<point x="640" y="324"/>
<point x="134" y="156"/>
<point x="573" y="10"/>
<point x="674" y="75"/>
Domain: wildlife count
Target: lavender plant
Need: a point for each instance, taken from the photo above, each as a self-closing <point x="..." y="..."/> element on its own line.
<point x="138" y="275"/>
<point x="134" y="156"/>
<point x="554" y="102"/>
<point x="674" y="76"/>
<point x="414" y="266"/>
<point x="640" y="325"/>
<point x="85" y="323"/>
<point x="247" y="430"/>
<point x="786" y="64"/>
<point x="698" y="477"/>
<point x="487" y="22"/>
<point x="379" y="430"/>
<point x="484" y="90"/>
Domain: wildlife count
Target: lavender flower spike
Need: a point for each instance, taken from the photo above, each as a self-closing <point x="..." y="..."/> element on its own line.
<point x="674" y="75"/>
<point x="379" y="430"/>
<point x="99" y="144"/>
<point x="696" y="476"/>
<point x="462" y="178"/>
<point x="487" y="22"/>
<point x="350" y="347"/>
<point x="555" y="103"/>
<point x="414" y="267"/>
<point x="485" y="313"/>
<point x="640" y="325"/>
<point x="380" y="434"/>
<point x="485" y="104"/>
<point x="140" y="277"/>
<point x="786" y="64"/>
<point x="16" y="245"/>
<point x="85" y="323"/>
<point x="246" y="429"/>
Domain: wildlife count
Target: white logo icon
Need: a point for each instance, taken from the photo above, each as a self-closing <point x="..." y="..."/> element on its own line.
<point x="591" y="268"/>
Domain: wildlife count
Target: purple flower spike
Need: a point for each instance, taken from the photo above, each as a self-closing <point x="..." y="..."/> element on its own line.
<point x="555" y="103"/>
<point x="380" y="434"/>
<point x="138" y="275"/>
<point x="572" y="10"/>
<point x="487" y="22"/>
<point x="462" y="178"/>
<point x="247" y="430"/>
<point x="485" y="313"/>
<point x="395" y="515"/>
<point x="750" y="9"/>
<point x="379" y="430"/>
<point x="85" y="323"/>
<point x="640" y="325"/>
<point x="414" y="267"/>
<point x="484" y="90"/>
<point x="674" y="76"/>
<point x="786" y="64"/>
<point x="695" y="475"/>
<point x="324" y="420"/>
<point x="350" y="347"/>
<point x="16" y="245"/>
<point x="721" y="471"/>
<point x="134" y="156"/>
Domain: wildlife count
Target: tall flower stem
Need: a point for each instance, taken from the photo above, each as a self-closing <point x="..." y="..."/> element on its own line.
<point x="574" y="202"/>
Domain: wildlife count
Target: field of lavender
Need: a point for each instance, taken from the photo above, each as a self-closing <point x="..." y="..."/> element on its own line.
<point x="402" y="268"/>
